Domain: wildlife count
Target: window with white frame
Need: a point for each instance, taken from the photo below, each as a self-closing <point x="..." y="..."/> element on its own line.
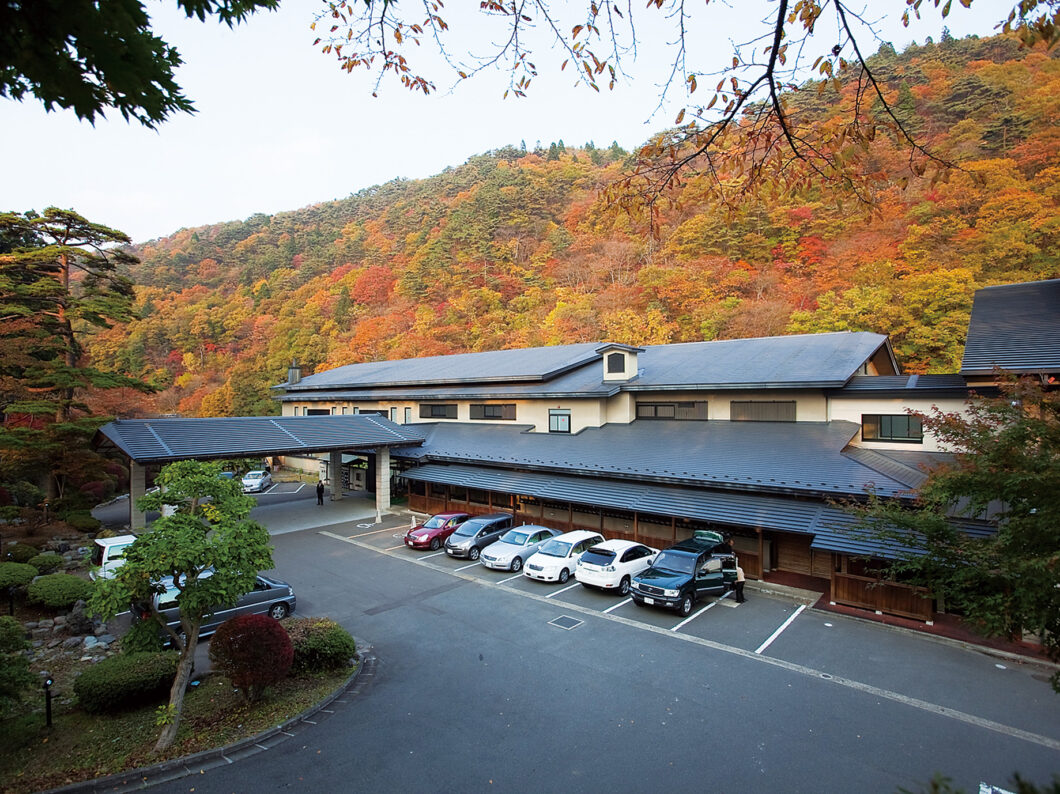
<point x="559" y="420"/>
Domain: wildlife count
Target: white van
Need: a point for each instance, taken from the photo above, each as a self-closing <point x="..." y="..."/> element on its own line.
<point x="108" y="554"/>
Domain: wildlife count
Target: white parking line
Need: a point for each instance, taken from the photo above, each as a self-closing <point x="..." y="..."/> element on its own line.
<point x="783" y="626"/>
<point x="511" y="578"/>
<point x="692" y="617"/>
<point x="619" y="604"/>
<point x="465" y="567"/>
<point x="373" y="532"/>
<point x="300" y="487"/>
<point x="564" y="590"/>
<point x="395" y="548"/>
<point x="436" y="554"/>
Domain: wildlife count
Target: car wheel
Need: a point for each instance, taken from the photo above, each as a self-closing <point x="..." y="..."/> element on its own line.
<point x="517" y="565"/>
<point x="623" y="586"/>
<point x="435" y="544"/>
<point x="473" y="554"/>
<point x="685" y="607"/>
<point x="564" y="575"/>
<point x="279" y="611"/>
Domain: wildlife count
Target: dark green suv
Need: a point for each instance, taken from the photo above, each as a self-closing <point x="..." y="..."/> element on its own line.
<point x="702" y="565"/>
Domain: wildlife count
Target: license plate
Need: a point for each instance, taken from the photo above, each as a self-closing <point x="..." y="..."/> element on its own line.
<point x="450" y="552"/>
<point x="409" y="542"/>
<point x="649" y="601"/>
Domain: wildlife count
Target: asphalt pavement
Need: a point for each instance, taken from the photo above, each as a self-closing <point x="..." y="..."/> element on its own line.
<point x="488" y="682"/>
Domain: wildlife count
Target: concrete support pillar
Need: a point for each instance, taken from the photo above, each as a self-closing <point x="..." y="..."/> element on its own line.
<point x="335" y="472"/>
<point x="382" y="482"/>
<point x="137" y="488"/>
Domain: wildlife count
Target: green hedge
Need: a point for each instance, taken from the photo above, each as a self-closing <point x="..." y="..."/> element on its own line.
<point x="121" y="682"/>
<point x="16" y="574"/>
<point x="58" y="590"/>
<point x="46" y="563"/>
<point x="319" y="644"/>
<point x="20" y="552"/>
<point x="83" y="522"/>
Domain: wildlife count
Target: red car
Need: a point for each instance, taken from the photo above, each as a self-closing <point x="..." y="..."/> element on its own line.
<point x="432" y="533"/>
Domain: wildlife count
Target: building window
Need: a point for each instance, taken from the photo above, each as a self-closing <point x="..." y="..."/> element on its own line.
<point x="681" y="410"/>
<point x="616" y="362"/>
<point x="408" y="416"/>
<point x="297" y="409"/>
<point x="492" y="411"/>
<point x="892" y="427"/>
<point x="345" y="410"/>
<point x="317" y="411"/>
<point x="437" y="410"/>
<point x="559" y="420"/>
<point x="762" y="410"/>
<point x="393" y="415"/>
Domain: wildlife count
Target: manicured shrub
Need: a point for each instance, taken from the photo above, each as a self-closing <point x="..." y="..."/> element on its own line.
<point x="58" y="590"/>
<point x="46" y="563"/>
<point x="16" y="574"/>
<point x="127" y="680"/>
<point x="20" y="552"/>
<point x="15" y="677"/>
<point x="253" y="651"/>
<point x="83" y="522"/>
<point x="319" y="644"/>
<point x="143" y="635"/>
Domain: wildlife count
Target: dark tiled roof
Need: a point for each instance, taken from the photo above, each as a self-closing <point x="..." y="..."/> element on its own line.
<point x="1015" y="327"/>
<point x="735" y="509"/>
<point x="837" y="530"/>
<point x="906" y="385"/>
<point x="807" y="360"/>
<point x="761" y="456"/>
<point x="819" y="360"/>
<point x="582" y="382"/>
<point x="528" y="364"/>
<point x="910" y="476"/>
<point x="159" y="440"/>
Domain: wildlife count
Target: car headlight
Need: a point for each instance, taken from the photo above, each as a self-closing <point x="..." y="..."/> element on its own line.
<point x="670" y="593"/>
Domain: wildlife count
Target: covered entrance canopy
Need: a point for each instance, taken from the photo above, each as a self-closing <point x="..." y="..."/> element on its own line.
<point x="159" y="441"/>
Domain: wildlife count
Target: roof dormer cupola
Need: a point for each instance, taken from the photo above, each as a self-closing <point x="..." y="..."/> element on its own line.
<point x="619" y="361"/>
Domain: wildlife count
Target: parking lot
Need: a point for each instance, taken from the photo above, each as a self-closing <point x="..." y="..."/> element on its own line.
<point x="780" y="631"/>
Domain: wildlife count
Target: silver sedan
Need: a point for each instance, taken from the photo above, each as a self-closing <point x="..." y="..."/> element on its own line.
<point x="515" y="547"/>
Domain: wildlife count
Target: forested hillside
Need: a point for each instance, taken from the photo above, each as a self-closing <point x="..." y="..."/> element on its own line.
<point x="518" y="248"/>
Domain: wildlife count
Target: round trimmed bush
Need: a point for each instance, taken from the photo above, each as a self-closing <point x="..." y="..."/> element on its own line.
<point x="16" y="574"/>
<point x="253" y="651"/>
<point x="58" y="590"/>
<point x="121" y="682"/>
<point x="46" y="563"/>
<point x="21" y="552"/>
<point x="319" y="644"/>
<point x="83" y="522"/>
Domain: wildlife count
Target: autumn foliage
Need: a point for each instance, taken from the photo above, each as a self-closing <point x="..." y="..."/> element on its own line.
<point x="253" y="651"/>
<point x="523" y="247"/>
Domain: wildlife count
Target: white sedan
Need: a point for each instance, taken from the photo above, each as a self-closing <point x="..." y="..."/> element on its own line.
<point x="556" y="560"/>
<point x="256" y="481"/>
<point x="612" y="564"/>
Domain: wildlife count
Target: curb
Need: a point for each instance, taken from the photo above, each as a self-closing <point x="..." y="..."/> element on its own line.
<point x="197" y="763"/>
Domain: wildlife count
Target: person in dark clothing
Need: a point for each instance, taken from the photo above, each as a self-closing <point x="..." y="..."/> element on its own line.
<point x="320" y="492"/>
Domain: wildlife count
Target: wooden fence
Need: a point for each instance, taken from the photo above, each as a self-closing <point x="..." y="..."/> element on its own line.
<point x="892" y="598"/>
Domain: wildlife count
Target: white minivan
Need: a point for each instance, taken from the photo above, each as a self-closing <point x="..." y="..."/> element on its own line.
<point x="108" y="554"/>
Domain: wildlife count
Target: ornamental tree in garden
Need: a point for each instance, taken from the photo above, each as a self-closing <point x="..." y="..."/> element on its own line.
<point x="208" y="548"/>
<point x="254" y="651"/>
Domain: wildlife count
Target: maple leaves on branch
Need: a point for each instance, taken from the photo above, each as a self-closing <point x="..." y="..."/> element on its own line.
<point x="750" y="136"/>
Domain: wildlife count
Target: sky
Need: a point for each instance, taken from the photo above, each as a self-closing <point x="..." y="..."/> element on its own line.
<point x="279" y="126"/>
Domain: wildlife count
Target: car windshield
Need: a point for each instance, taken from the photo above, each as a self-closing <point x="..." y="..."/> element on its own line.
<point x="254" y="475"/>
<point x="515" y="538"/>
<point x="598" y="556"/>
<point x="556" y="548"/>
<point x="434" y="522"/>
<point x="469" y="529"/>
<point x="678" y="563"/>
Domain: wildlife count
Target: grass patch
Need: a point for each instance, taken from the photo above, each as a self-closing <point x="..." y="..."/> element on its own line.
<point x="82" y="746"/>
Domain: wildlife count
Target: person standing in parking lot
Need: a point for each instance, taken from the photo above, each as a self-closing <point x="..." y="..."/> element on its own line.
<point x="320" y="492"/>
<point x="740" y="579"/>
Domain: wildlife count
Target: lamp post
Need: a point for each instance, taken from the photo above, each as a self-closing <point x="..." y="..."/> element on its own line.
<point x="48" y="701"/>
